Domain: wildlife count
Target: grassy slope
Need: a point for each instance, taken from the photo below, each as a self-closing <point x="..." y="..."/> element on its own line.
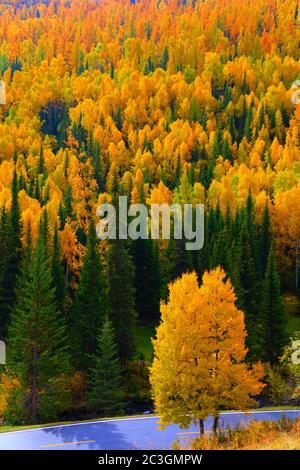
<point x="143" y="335"/>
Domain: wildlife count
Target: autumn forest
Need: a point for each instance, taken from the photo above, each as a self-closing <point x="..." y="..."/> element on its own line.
<point x="163" y="101"/>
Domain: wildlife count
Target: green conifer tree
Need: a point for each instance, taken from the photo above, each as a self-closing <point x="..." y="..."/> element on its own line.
<point x="37" y="345"/>
<point x="273" y="312"/>
<point x="90" y="304"/>
<point x="106" y="395"/>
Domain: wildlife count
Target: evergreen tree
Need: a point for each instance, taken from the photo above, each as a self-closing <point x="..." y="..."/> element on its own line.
<point x="122" y="296"/>
<point x="226" y="151"/>
<point x="5" y="260"/>
<point x="273" y="312"/>
<point x="249" y="215"/>
<point x="90" y="304"/>
<point x="215" y="152"/>
<point x="37" y="192"/>
<point x="66" y="208"/>
<point x="119" y="122"/>
<point x="244" y="277"/>
<point x="37" y="345"/>
<point x="58" y="272"/>
<point x="265" y="239"/>
<point x="11" y="255"/>
<point x="44" y="229"/>
<point x="147" y="279"/>
<point x="16" y="228"/>
<point x="121" y="292"/>
<point x="105" y="394"/>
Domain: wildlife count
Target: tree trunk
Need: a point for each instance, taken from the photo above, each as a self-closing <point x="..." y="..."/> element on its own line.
<point x="215" y="426"/>
<point x="201" y="423"/>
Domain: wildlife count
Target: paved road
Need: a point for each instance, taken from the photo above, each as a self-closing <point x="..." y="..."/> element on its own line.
<point x="120" y="434"/>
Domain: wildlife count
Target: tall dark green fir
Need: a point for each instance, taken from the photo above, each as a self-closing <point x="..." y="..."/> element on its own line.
<point x="272" y="310"/>
<point x="37" y="345"/>
<point x="89" y="307"/>
<point x="106" y="395"/>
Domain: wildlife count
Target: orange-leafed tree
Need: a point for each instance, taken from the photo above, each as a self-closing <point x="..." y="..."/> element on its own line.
<point x="198" y="369"/>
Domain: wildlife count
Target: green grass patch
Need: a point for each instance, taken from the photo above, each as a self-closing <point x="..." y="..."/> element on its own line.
<point x="143" y="335"/>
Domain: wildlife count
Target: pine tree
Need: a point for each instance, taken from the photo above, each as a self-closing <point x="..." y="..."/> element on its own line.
<point x="273" y="312"/>
<point x="265" y="239"/>
<point x="122" y="296"/>
<point x="121" y="291"/>
<point x="226" y="151"/>
<point x="147" y="279"/>
<point x="44" y="229"/>
<point x="11" y="255"/>
<point x="37" y="345"/>
<point x="106" y="395"/>
<point x="215" y="152"/>
<point x="249" y="215"/>
<point x="90" y="304"/>
<point x="244" y="277"/>
<point x="5" y="257"/>
<point x="119" y="122"/>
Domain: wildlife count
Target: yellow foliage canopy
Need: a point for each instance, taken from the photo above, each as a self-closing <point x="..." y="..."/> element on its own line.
<point x="198" y="368"/>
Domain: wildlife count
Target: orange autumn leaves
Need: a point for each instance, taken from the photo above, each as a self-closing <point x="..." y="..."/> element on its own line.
<point x="198" y="368"/>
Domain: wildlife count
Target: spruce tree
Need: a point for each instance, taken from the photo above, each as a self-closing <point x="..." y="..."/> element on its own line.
<point x="147" y="280"/>
<point x="244" y="277"/>
<point x="11" y="255"/>
<point x="272" y="310"/>
<point x="90" y="304"/>
<point x="58" y="272"/>
<point x="215" y="152"/>
<point x="265" y="239"/>
<point x="122" y="296"/>
<point x="15" y="216"/>
<point x="5" y="257"/>
<point x="37" y="344"/>
<point x="121" y="292"/>
<point x="105" y="394"/>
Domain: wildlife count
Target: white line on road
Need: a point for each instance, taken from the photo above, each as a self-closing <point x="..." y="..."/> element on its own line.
<point x="66" y="444"/>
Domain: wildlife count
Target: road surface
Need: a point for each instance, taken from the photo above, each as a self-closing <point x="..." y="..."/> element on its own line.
<point x="139" y="433"/>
